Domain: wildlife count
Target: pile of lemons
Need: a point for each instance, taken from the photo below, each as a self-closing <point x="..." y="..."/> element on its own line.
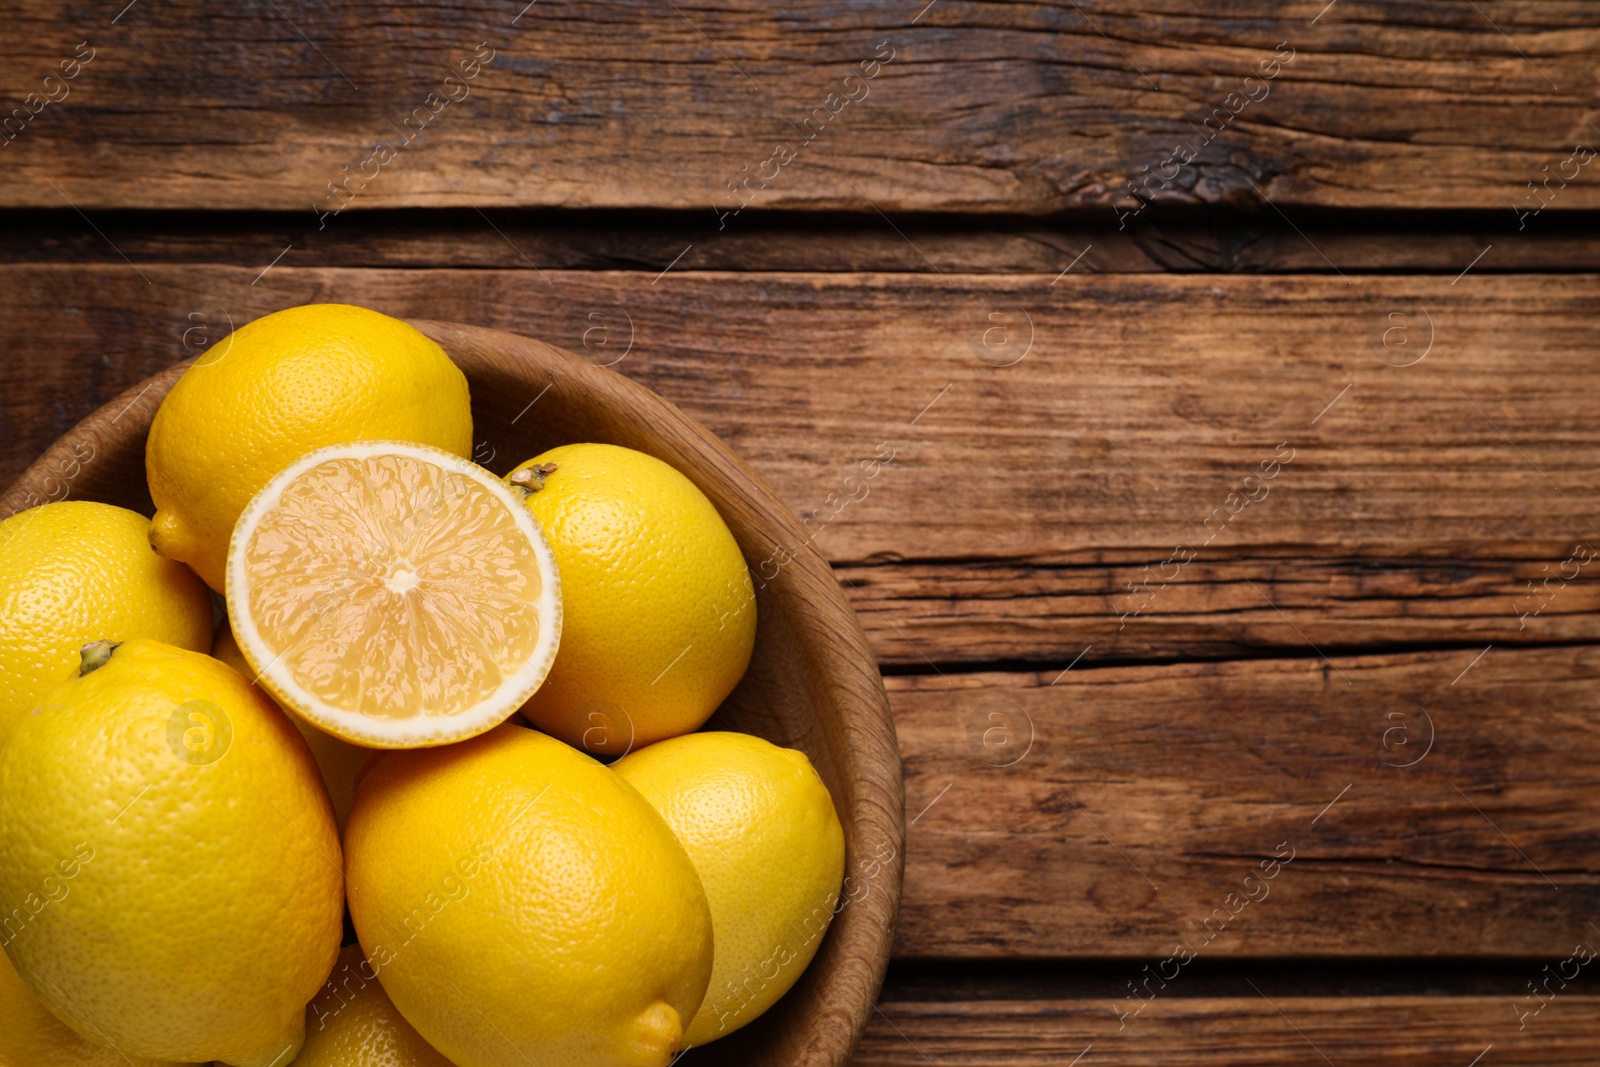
<point x="422" y="785"/>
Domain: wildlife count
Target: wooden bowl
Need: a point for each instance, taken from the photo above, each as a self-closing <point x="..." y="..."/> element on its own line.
<point x="813" y="683"/>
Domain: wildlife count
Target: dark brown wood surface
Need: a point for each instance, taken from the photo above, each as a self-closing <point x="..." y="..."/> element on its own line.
<point x="1026" y="108"/>
<point x="978" y="107"/>
<point x="1264" y="1030"/>
<point x="1385" y="661"/>
<point x="1143" y="402"/>
<point x="1257" y="241"/>
<point x="1419" y="504"/>
<point x="1120" y="811"/>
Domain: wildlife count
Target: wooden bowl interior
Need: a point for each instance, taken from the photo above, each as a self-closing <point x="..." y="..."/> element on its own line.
<point x="812" y="684"/>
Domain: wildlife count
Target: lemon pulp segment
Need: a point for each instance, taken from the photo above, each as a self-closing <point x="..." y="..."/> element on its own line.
<point x="394" y="594"/>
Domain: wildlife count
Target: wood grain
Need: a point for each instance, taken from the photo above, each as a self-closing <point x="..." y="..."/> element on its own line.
<point x="811" y="683"/>
<point x="1144" y="402"/>
<point x="1022" y="108"/>
<point x="1409" y="520"/>
<point x="1250" y="239"/>
<point x="1435" y="804"/>
<point x="1261" y="1031"/>
<point x="1033" y="614"/>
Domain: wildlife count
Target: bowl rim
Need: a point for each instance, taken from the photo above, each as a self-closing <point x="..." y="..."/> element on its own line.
<point x="878" y="811"/>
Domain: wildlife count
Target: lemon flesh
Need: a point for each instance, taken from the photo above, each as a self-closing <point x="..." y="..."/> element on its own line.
<point x="660" y="612"/>
<point x="762" y="831"/>
<point x="523" y="906"/>
<point x="353" y="1023"/>
<point x="165" y="833"/>
<point x="78" y="571"/>
<point x="393" y="595"/>
<point x="277" y="388"/>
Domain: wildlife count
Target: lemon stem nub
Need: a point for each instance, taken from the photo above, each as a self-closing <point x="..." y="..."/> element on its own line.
<point x="96" y="654"/>
<point x="531" y="479"/>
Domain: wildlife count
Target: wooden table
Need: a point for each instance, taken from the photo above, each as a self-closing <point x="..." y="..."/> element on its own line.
<point x="1233" y="575"/>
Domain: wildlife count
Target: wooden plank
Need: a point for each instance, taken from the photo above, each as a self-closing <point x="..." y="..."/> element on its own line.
<point x="1124" y="435"/>
<point x="1259" y="1031"/>
<point x="1434" y="804"/>
<point x="1242" y="241"/>
<point x="1416" y="510"/>
<point x="1027" y="109"/>
<point x="1079" y="978"/>
<point x="997" y="611"/>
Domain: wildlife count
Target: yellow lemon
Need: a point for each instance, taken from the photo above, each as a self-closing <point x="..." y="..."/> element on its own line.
<point x="394" y="595"/>
<point x="31" y="1037"/>
<point x="660" y="613"/>
<point x="762" y="832"/>
<point x="525" y="907"/>
<point x="275" y="389"/>
<point x="77" y="571"/>
<point x="353" y="1023"/>
<point x="340" y="762"/>
<point x="170" y="859"/>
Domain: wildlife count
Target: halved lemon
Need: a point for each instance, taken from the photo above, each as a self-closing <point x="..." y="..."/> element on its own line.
<point x="395" y="595"/>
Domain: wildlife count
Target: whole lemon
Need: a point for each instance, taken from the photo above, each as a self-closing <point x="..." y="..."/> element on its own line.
<point x="31" y="1037"/>
<point x="340" y="762"/>
<point x="353" y="1023"/>
<point x="172" y="858"/>
<point x="526" y="907"/>
<point x="660" y="613"/>
<point x="763" y="834"/>
<point x="272" y="391"/>
<point x="78" y="571"/>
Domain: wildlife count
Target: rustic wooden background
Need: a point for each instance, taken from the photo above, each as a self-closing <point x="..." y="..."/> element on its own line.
<point x="1125" y="672"/>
